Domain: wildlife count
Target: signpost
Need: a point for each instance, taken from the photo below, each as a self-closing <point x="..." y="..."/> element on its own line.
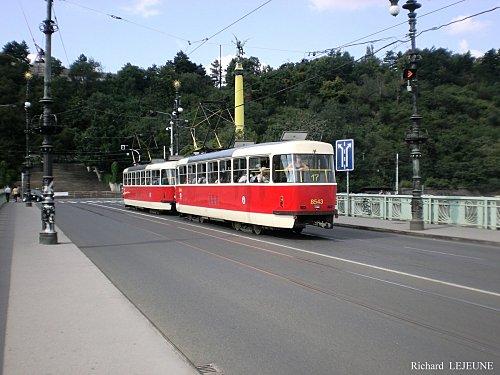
<point x="344" y="161"/>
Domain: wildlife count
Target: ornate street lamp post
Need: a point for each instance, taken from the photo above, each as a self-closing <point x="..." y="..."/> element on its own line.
<point x="414" y="136"/>
<point x="176" y="115"/>
<point x="48" y="235"/>
<point x="27" y="105"/>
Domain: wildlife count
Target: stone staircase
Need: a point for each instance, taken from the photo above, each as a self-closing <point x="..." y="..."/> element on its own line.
<point x="70" y="177"/>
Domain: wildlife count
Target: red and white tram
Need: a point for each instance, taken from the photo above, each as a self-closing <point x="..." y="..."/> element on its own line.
<point x="150" y="186"/>
<point x="270" y="185"/>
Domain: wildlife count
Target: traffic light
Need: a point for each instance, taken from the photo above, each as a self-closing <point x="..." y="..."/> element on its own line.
<point x="409" y="74"/>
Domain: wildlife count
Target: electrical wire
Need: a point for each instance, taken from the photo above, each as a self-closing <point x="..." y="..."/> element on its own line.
<point x="119" y="18"/>
<point x="456" y="21"/>
<point x="60" y="36"/>
<point x="382" y="30"/>
<point x="38" y="49"/>
<point x="204" y="40"/>
<point x="372" y="53"/>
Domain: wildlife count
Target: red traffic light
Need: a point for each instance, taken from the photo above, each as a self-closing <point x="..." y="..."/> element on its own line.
<point x="409" y="74"/>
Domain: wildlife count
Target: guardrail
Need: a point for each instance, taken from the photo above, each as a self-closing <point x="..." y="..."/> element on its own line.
<point x="480" y="212"/>
<point x="87" y="194"/>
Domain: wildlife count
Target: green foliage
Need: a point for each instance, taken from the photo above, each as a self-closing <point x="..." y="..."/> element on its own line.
<point x="331" y="97"/>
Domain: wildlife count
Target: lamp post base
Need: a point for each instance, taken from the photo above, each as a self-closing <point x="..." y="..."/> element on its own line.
<point x="48" y="238"/>
<point x="416" y="225"/>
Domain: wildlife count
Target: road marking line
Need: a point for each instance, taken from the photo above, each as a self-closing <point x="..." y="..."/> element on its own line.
<point x="440" y="252"/>
<point x="327" y="256"/>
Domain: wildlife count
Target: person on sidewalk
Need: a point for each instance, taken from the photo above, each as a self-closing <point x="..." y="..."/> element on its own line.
<point x="7" y="193"/>
<point x="15" y="193"/>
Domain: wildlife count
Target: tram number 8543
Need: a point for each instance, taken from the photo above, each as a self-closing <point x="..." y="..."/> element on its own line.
<point x="317" y="201"/>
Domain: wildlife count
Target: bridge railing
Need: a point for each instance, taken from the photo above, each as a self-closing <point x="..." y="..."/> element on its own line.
<point x="480" y="212"/>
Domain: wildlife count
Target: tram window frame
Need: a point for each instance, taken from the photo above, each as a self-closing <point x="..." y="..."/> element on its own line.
<point x="148" y="177"/>
<point x="136" y="178"/>
<point x="172" y="176"/>
<point x="143" y="177"/>
<point x="257" y="165"/>
<point x="310" y="171"/>
<point x="226" y="175"/>
<point x="213" y="172"/>
<point x="155" y="177"/>
<point x="201" y="173"/>
<point x="163" y="177"/>
<point x="182" y="171"/>
<point x="238" y="168"/>
<point x="191" y="173"/>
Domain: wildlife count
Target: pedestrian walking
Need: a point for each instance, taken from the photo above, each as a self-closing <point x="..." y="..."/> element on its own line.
<point x="7" y="193"/>
<point x="15" y="193"/>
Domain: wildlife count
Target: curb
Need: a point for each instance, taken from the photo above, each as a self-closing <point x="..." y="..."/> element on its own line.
<point x="418" y="234"/>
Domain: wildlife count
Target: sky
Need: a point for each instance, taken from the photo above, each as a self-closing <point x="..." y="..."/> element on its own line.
<point x="281" y="31"/>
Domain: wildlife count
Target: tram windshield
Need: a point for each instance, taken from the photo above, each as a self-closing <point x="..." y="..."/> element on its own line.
<point x="303" y="168"/>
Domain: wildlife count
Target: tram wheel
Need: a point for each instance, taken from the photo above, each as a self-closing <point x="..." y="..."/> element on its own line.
<point x="298" y="230"/>
<point x="257" y="229"/>
<point x="201" y="219"/>
<point x="236" y="225"/>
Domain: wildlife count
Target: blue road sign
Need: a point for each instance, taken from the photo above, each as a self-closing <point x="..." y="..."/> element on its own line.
<point x="344" y="155"/>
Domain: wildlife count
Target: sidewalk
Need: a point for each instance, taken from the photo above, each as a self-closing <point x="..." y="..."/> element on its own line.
<point x="445" y="232"/>
<point x="64" y="316"/>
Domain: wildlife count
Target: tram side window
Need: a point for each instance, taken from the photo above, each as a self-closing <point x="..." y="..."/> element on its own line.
<point x="213" y="172"/>
<point x="191" y="173"/>
<point x="240" y="170"/>
<point x="280" y="168"/>
<point x="148" y="177"/>
<point x="164" y="177"/>
<point x="303" y="168"/>
<point x="183" y="175"/>
<point x="136" y="178"/>
<point x="201" y="173"/>
<point x="143" y="178"/>
<point x="225" y="171"/>
<point x="171" y="176"/>
<point x="155" y="177"/>
<point x="258" y="168"/>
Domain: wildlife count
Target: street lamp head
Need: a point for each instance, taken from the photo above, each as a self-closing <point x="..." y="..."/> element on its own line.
<point x="27" y="105"/>
<point x="177" y="84"/>
<point x="171" y="122"/>
<point x="28" y="75"/>
<point x="180" y="109"/>
<point x="394" y="8"/>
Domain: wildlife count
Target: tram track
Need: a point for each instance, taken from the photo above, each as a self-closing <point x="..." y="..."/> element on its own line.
<point x="467" y="340"/>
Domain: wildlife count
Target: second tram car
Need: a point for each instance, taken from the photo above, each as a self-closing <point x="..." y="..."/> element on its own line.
<point x="270" y="185"/>
<point x="150" y="186"/>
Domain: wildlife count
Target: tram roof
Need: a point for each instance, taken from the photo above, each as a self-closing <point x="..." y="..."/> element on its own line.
<point x="160" y="165"/>
<point x="264" y="148"/>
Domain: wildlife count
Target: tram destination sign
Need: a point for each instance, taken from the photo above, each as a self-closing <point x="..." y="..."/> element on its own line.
<point x="344" y="155"/>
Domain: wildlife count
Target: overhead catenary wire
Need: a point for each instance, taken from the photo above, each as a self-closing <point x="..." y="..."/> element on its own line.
<point x="60" y="36"/>
<point x="38" y="49"/>
<point x="327" y="50"/>
<point x="374" y="52"/>
<point x="120" y="18"/>
<point x="203" y="41"/>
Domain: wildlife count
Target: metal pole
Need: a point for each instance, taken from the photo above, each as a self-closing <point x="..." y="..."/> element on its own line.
<point x="220" y="65"/>
<point x="347" y="196"/>
<point x="27" y="105"/>
<point x="397" y="174"/>
<point x="171" y="138"/>
<point x="414" y="137"/>
<point x="48" y="235"/>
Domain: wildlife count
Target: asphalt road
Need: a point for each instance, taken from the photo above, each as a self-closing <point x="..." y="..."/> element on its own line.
<point x="339" y="301"/>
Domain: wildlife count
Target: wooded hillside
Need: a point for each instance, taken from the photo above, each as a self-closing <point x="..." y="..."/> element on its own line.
<point x="331" y="97"/>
